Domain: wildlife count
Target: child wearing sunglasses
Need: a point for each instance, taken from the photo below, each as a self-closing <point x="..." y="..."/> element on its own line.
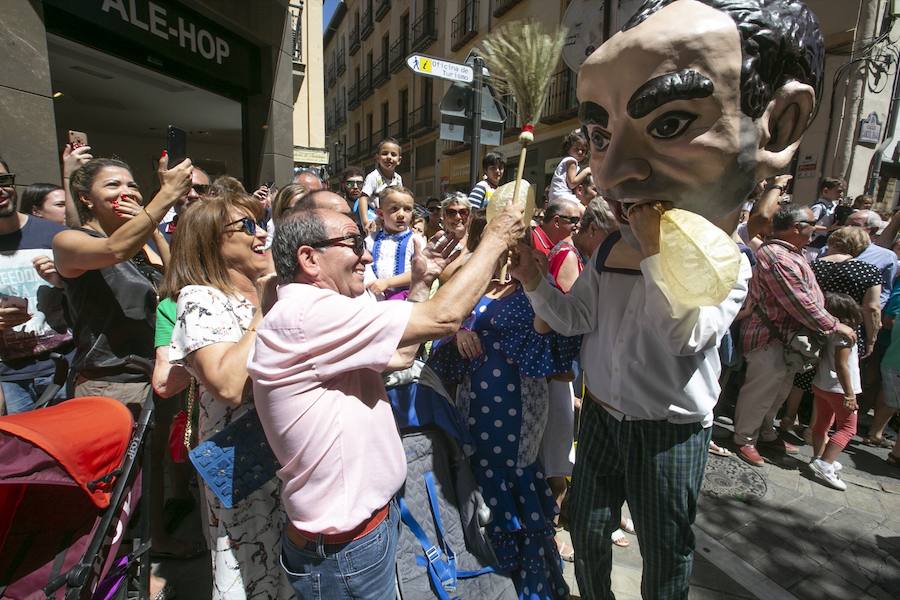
<point x="392" y="247"/>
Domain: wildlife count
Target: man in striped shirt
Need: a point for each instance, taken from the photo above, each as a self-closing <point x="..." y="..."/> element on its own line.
<point x="784" y="296"/>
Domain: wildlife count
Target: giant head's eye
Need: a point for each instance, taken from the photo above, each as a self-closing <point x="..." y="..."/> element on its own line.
<point x="598" y="138"/>
<point x="670" y="125"/>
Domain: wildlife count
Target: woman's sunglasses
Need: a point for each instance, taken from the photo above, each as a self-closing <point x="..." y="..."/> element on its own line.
<point x="248" y="226"/>
<point x="358" y="243"/>
<point x="462" y="213"/>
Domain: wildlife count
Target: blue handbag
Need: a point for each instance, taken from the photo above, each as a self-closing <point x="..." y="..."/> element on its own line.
<point x="236" y="461"/>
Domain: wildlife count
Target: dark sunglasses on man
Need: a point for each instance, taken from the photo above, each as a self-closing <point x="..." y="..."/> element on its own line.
<point x="353" y="184"/>
<point x="358" y="243"/>
<point x="200" y="188"/>
<point x="570" y="220"/>
<point x="7" y="179"/>
<point x="247" y="225"/>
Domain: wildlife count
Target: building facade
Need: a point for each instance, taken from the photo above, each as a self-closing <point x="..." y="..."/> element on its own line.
<point x="228" y="72"/>
<point x="308" y="85"/>
<point x="371" y="94"/>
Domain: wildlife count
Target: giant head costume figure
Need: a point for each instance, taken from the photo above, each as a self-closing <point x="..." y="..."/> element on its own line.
<point x="695" y="101"/>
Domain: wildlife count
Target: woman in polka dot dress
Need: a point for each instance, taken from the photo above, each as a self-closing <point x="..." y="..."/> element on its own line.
<point x="500" y="361"/>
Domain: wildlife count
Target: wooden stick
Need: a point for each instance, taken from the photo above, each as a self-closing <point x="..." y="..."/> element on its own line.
<point x="515" y="198"/>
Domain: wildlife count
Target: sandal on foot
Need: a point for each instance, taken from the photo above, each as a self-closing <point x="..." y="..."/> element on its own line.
<point x="619" y="539"/>
<point x="627" y="525"/>
<point x="718" y="450"/>
<point x="166" y="593"/>
<point x="878" y="442"/>
<point x="566" y="552"/>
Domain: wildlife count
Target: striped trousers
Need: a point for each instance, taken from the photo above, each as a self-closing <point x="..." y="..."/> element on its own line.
<point x="657" y="467"/>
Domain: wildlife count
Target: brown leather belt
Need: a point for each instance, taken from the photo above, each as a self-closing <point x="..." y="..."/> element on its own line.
<point x="303" y="539"/>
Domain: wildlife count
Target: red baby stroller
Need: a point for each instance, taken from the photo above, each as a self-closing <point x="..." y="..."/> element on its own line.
<point x="68" y="476"/>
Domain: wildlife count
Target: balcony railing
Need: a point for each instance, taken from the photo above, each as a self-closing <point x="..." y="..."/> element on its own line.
<point x="501" y="7"/>
<point x="329" y="121"/>
<point x="423" y="31"/>
<point x="330" y="75"/>
<point x="464" y="26"/>
<point x="421" y="120"/>
<point x="350" y="153"/>
<point x="398" y="129"/>
<point x="341" y="62"/>
<point x="340" y="113"/>
<point x="353" y="96"/>
<point x="398" y="53"/>
<point x="381" y="9"/>
<point x="365" y="85"/>
<point x="380" y="73"/>
<point x="513" y="125"/>
<point x="561" y="102"/>
<point x="354" y="39"/>
<point x="366" y="25"/>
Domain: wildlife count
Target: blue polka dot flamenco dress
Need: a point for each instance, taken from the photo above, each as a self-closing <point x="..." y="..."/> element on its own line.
<point x="503" y="397"/>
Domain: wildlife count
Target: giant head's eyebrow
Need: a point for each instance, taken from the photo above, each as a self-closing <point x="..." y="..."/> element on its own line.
<point x="678" y="85"/>
<point x="591" y="113"/>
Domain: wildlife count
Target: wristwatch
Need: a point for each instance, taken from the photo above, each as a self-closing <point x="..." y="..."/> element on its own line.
<point x="776" y="186"/>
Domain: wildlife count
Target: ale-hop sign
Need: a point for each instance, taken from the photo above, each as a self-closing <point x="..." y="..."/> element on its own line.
<point x="165" y="30"/>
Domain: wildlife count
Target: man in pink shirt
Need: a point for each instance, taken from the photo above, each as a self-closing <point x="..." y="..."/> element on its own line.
<point x="316" y="370"/>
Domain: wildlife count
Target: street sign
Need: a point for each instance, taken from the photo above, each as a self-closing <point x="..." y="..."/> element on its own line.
<point x="456" y="118"/>
<point x="870" y="130"/>
<point x="440" y="69"/>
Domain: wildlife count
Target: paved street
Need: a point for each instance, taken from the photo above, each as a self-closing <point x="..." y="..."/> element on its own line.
<point x="769" y="534"/>
<point x="774" y="533"/>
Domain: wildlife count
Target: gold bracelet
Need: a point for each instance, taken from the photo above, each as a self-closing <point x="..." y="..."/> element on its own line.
<point x="152" y="222"/>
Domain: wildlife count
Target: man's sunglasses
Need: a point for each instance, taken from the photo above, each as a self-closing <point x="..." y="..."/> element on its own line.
<point x="434" y="208"/>
<point x="353" y="184"/>
<point x="463" y="213"/>
<point x="570" y="220"/>
<point x="7" y="179"/>
<point x="358" y="243"/>
<point x="247" y="225"/>
<point x="200" y="188"/>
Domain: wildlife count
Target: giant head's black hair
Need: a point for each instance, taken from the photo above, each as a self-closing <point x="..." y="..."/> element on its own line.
<point x="780" y="42"/>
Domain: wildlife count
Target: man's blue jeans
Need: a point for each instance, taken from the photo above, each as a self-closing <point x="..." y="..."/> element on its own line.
<point x="20" y="396"/>
<point x="364" y="569"/>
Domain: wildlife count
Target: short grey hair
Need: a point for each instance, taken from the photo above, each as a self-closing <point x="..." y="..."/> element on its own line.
<point x="295" y="228"/>
<point x="455" y="198"/>
<point x="788" y="216"/>
<point x="599" y="214"/>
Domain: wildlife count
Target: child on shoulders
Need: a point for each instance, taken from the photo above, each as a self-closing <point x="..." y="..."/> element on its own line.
<point x="387" y="158"/>
<point x="568" y="174"/>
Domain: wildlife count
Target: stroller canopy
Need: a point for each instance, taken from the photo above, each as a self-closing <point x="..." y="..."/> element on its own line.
<point x="86" y="436"/>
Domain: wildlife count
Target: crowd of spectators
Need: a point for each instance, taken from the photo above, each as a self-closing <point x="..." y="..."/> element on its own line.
<point x="296" y="301"/>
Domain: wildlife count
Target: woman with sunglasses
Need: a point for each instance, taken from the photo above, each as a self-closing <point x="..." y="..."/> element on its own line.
<point x="455" y="212"/>
<point x="218" y="261"/>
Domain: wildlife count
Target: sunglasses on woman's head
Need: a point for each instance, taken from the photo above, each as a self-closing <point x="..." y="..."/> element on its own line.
<point x="248" y="226"/>
<point x="7" y="179"/>
<point x="358" y="243"/>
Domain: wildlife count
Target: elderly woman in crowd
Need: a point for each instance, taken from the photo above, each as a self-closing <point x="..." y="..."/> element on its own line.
<point x="455" y="212"/>
<point x="218" y="261"/>
<point x="839" y="271"/>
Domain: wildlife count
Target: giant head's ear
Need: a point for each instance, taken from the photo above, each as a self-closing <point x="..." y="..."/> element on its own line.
<point x="782" y="127"/>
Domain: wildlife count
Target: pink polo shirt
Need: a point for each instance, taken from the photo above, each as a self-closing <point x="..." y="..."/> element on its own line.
<point x="316" y="370"/>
